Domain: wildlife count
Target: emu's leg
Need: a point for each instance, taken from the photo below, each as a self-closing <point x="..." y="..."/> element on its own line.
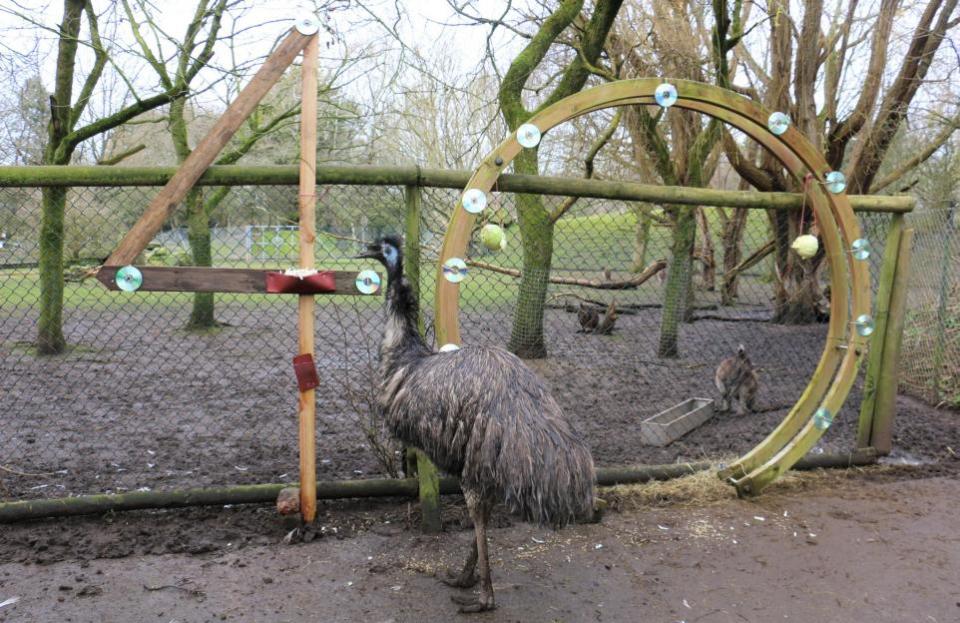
<point x="467" y="577"/>
<point x="480" y="513"/>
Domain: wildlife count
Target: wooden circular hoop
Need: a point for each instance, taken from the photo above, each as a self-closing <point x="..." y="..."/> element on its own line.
<point x="849" y="278"/>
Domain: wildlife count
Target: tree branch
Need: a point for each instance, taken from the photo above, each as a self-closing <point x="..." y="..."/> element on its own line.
<point x="99" y="62"/>
<point x="595" y="148"/>
<point x="846" y="129"/>
<point x="511" y="89"/>
<point x="919" y="158"/>
<point x="926" y="40"/>
<point x="123" y="155"/>
<point x="627" y="284"/>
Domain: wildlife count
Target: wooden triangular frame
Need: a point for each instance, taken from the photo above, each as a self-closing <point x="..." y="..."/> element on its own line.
<point x="206" y="151"/>
<point x="302" y="38"/>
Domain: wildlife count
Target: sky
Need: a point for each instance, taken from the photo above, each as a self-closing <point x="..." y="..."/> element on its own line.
<point x="424" y="23"/>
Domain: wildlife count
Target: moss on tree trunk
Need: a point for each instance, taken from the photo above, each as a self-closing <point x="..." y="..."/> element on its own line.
<point x="641" y="241"/>
<point x="50" y="340"/>
<point x="198" y="235"/>
<point x="679" y="280"/>
<point x="536" y="232"/>
<point x="198" y="223"/>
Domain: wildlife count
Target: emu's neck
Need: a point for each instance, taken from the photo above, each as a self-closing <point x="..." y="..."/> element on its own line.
<point x="401" y="339"/>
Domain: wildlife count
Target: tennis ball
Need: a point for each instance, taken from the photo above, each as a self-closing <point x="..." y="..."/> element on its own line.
<point x="492" y="237"/>
<point x="806" y="246"/>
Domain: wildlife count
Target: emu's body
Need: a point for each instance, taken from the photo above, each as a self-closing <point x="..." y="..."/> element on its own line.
<point x="481" y="414"/>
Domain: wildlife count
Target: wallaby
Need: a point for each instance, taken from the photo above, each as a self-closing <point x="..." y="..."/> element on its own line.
<point x="737" y="380"/>
<point x="589" y="318"/>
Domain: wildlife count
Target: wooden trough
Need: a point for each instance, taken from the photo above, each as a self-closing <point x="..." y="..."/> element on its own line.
<point x="667" y="426"/>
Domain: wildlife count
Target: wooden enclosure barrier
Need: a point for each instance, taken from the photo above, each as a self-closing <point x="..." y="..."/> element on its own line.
<point x="414" y="178"/>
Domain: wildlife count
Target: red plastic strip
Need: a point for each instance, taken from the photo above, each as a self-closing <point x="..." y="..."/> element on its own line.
<point x="306" y="372"/>
<point x="319" y="283"/>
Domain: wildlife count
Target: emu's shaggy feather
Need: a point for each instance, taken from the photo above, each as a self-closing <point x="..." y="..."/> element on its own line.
<point x="481" y="413"/>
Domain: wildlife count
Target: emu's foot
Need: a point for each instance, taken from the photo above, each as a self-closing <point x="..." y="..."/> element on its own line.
<point x="459" y="580"/>
<point x="473" y="604"/>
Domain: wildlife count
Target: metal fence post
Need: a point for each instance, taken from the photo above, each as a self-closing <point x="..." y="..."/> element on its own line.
<point x="427" y="474"/>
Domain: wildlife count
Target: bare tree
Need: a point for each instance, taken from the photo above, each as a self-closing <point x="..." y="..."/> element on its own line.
<point x="867" y="90"/>
<point x="69" y="127"/>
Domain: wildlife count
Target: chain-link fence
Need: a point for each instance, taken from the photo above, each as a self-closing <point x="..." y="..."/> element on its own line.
<point x="930" y="363"/>
<point x="142" y="400"/>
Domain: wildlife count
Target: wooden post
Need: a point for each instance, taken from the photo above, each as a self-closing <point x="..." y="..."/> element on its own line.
<point x="206" y="151"/>
<point x="881" y="436"/>
<point x="888" y="273"/>
<point x="427" y="475"/>
<point x="411" y="242"/>
<point x="411" y="269"/>
<point x="308" y="222"/>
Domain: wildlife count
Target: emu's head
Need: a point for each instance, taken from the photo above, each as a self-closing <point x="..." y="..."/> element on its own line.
<point x="387" y="251"/>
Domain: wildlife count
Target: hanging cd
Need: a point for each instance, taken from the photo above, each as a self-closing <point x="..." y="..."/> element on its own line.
<point x="449" y="348"/>
<point x="778" y="123"/>
<point x="129" y="278"/>
<point x="474" y="201"/>
<point x="307" y="25"/>
<point x="368" y="281"/>
<point x="865" y="325"/>
<point x="528" y="135"/>
<point x="836" y="182"/>
<point x="822" y="419"/>
<point x="666" y="95"/>
<point x="454" y="270"/>
<point x="860" y="248"/>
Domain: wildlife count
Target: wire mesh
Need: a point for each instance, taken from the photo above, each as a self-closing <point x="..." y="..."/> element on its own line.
<point x="930" y="364"/>
<point x="139" y="400"/>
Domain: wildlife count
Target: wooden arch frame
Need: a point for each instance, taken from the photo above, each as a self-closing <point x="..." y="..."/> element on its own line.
<point x="849" y="278"/>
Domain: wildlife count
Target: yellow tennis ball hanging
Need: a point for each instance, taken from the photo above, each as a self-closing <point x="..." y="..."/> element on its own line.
<point x="492" y="237"/>
<point x="806" y="246"/>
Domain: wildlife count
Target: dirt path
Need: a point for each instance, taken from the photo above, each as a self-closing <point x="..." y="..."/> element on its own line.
<point x="853" y="550"/>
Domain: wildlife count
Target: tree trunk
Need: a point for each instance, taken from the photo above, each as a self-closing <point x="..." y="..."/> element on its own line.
<point x="536" y="236"/>
<point x="676" y="307"/>
<point x="707" y="256"/>
<point x="198" y="223"/>
<point x="641" y="241"/>
<point x="732" y="241"/>
<point x="801" y="306"/>
<point x="797" y="292"/>
<point x="198" y="235"/>
<point x="50" y="340"/>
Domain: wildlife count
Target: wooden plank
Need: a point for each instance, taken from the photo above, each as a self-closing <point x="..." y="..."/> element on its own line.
<point x="881" y="435"/>
<point x="428" y="476"/>
<point x="307" y="409"/>
<point x="888" y="272"/>
<point x="203" y="155"/>
<point x="203" y="279"/>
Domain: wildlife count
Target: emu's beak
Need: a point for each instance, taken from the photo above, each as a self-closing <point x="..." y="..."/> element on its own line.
<point x="372" y="252"/>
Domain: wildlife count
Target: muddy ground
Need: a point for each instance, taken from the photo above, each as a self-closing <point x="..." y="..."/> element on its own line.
<point x="139" y="403"/>
<point x="861" y="545"/>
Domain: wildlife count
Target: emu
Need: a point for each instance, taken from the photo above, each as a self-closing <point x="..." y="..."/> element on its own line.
<point x="479" y="413"/>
